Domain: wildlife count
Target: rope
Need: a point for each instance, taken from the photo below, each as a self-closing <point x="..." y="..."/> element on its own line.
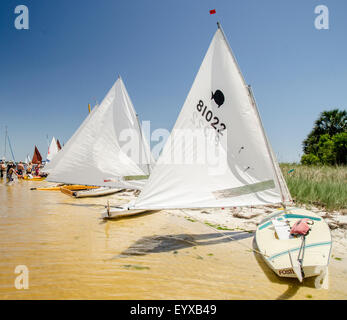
<point x="228" y="236"/>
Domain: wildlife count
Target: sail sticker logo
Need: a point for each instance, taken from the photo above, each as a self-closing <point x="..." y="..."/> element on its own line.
<point x="218" y="98"/>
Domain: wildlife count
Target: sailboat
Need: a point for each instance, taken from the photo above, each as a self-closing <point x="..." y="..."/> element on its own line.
<point x="8" y="141"/>
<point x="58" y="145"/>
<point x="95" y="155"/>
<point x="218" y="155"/>
<point x="37" y="158"/>
<point x="52" y="150"/>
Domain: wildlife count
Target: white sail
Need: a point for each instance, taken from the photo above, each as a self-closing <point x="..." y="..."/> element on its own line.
<point x="52" y="150"/>
<point x="217" y="154"/>
<point x="52" y="164"/>
<point x="27" y="159"/>
<point x="97" y="154"/>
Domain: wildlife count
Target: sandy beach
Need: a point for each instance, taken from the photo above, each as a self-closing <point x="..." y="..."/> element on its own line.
<point x="171" y="254"/>
<point x="248" y="218"/>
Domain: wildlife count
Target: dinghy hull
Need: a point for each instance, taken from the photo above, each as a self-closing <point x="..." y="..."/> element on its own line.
<point x="69" y="187"/>
<point x="100" y="192"/>
<point x="117" y="213"/>
<point x="34" y="179"/>
<point x="281" y="255"/>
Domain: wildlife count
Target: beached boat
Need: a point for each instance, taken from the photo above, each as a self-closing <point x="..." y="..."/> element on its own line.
<point x="99" y="192"/>
<point x="28" y="178"/>
<point x="94" y="155"/>
<point x="295" y="256"/>
<point x="225" y="158"/>
<point x="72" y="187"/>
<point x="118" y="213"/>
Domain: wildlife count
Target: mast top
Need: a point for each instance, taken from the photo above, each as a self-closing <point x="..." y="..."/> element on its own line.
<point x="218" y="24"/>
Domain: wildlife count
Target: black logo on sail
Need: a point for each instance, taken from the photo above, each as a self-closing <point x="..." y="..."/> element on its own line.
<point x="218" y="97"/>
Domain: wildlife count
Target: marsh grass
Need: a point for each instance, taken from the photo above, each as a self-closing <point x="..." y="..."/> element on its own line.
<point x="323" y="186"/>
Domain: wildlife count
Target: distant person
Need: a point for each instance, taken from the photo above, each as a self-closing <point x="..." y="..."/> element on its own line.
<point x="11" y="171"/>
<point x="2" y="169"/>
<point x="29" y="168"/>
<point x="20" y="168"/>
<point x="37" y="170"/>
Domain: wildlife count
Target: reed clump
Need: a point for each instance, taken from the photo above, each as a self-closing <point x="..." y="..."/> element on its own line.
<point x="322" y="186"/>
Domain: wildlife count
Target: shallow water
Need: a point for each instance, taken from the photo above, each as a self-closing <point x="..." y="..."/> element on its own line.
<point x="71" y="254"/>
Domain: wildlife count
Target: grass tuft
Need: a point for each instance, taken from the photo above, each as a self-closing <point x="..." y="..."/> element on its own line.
<point x="322" y="186"/>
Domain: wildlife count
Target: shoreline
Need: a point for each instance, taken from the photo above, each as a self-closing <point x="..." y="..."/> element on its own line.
<point x="247" y="218"/>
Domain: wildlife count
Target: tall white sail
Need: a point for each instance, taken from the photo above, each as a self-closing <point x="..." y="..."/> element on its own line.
<point x="108" y="149"/>
<point x="217" y="154"/>
<point x="52" y="150"/>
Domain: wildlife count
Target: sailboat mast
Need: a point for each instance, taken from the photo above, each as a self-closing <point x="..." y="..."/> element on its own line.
<point x="9" y="143"/>
<point x="254" y="104"/>
<point x="266" y="142"/>
<point x="5" y="141"/>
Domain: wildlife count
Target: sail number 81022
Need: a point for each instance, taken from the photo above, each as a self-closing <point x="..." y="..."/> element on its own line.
<point x="210" y="118"/>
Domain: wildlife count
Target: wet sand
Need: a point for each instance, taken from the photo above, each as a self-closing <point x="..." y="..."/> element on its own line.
<point x="72" y="254"/>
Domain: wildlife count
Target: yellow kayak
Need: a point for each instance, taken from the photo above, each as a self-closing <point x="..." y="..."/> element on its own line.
<point x="34" y="179"/>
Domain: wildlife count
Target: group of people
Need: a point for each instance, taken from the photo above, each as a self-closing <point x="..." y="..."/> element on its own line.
<point x="19" y="170"/>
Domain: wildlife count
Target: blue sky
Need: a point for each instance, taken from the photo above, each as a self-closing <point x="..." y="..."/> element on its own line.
<point x="74" y="50"/>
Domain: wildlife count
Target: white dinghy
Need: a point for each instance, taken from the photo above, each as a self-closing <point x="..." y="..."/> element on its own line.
<point x="96" y="155"/>
<point x="296" y="256"/>
<point x="218" y="155"/>
<point x="99" y="192"/>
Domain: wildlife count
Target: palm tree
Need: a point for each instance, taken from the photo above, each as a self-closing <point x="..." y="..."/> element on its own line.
<point x="330" y="122"/>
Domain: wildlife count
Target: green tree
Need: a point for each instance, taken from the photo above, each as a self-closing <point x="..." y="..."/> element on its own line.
<point x="326" y="143"/>
<point x="340" y="146"/>
<point x="326" y="150"/>
<point x="329" y="122"/>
